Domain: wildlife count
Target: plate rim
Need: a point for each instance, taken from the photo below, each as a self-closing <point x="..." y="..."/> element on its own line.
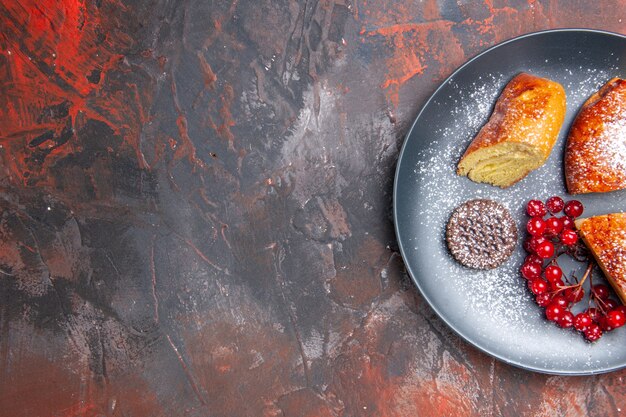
<point x="409" y="269"/>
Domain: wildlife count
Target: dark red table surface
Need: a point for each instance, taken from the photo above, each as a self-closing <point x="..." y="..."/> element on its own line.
<point x="196" y="210"/>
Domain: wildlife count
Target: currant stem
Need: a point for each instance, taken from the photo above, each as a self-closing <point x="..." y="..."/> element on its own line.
<point x="587" y="273"/>
<point x="582" y="280"/>
<point x="601" y="304"/>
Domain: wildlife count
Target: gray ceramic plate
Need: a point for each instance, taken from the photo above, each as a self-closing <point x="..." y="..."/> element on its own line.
<point x="492" y="309"/>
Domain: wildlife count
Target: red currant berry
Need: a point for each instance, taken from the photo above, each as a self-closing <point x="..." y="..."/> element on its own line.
<point x="600" y="291"/>
<point x="567" y="222"/>
<point x="615" y="318"/>
<point x="536" y="226"/>
<point x="574" y="295"/>
<point x="560" y="300"/>
<point x="554" y="311"/>
<point x="593" y="332"/>
<point x="622" y="309"/>
<point x="556" y="285"/>
<point x="555" y="204"/>
<point x="573" y="208"/>
<point x="527" y="245"/>
<point x="538" y="286"/>
<point x="535" y="242"/>
<point x="553" y="273"/>
<point x="594" y="313"/>
<point x="533" y="259"/>
<point x="569" y="237"/>
<point x="530" y="270"/>
<point x="566" y="320"/>
<point x="605" y="325"/>
<point x="610" y="304"/>
<point x="536" y="208"/>
<point x="554" y="225"/>
<point x="545" y="249"/>
<point x="582" y="321"/>
<point x="543" y="299"/>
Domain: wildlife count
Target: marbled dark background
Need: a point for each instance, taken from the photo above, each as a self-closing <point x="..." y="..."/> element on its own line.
<point x="196" y="210"/>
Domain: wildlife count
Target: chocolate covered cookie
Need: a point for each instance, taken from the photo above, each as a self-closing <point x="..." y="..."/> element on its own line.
<point x="481" y="234"/>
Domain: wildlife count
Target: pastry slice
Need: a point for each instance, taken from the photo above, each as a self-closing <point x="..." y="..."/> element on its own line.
<point x="595" y="155"/>
<point x="520" y="133"/>
<point x="605" y="236"/>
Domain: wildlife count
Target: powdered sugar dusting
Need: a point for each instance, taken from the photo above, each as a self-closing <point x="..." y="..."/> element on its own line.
<point x="495" y="292"/>
<point x="614" y="152"/>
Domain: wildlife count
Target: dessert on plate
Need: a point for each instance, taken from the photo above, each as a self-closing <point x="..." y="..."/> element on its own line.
<point x="481" y="234"/>
<point x="605" y="236"/>
<point x="520" y="133"/>
<point x="595" y="155"/>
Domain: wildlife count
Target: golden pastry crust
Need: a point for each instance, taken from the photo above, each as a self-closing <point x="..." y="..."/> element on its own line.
<point x="595" y="155"/>
<point x="605" y="236"/>
<point x="520" y="133"/>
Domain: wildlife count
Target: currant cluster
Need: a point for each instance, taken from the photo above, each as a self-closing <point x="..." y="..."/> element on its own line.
<point x="551" y="237"/>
